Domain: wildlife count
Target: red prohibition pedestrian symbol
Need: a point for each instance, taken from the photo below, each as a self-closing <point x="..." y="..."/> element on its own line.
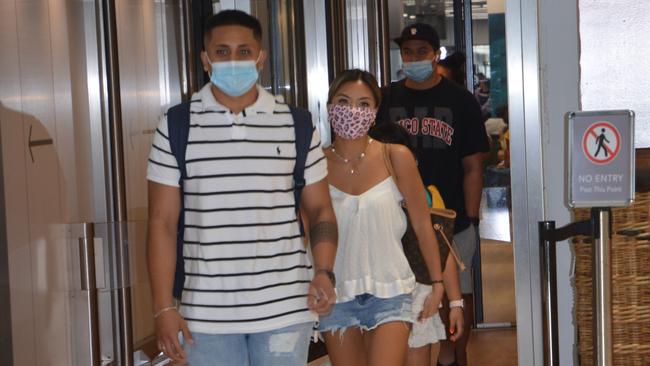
<point x="601" y="142"/>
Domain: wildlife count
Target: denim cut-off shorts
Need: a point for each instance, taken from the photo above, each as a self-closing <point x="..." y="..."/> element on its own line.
<point x="367" y="312"/>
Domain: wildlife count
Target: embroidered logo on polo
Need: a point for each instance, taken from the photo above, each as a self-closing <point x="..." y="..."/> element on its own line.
<point x="351" y="122"/>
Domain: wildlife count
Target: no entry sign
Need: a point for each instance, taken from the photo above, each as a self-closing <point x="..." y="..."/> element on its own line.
<point x="601" y="158"/>
<point x="601" y="142"/>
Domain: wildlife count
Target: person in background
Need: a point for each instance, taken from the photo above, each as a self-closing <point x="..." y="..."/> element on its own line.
<point x="251" y="294"/>
<point x="504" y="138"/>
<point x="495" y="128"/>
<point x="444" y="123"/>
<point x="453" y="68"/>
<point x="483" y="97"/>
<point x="370" y="323"/>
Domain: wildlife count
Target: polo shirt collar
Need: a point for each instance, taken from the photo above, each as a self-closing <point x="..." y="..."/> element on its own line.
<point x="265" y="102"/>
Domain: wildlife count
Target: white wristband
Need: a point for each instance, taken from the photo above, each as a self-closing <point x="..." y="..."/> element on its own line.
<point x="457" y="304"/>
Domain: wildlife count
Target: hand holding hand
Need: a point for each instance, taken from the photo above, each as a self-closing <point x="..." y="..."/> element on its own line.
<point x="168" y="324"/>
<point x="321" y="294"/>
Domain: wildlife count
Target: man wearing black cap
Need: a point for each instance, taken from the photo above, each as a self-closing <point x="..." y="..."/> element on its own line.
<point x="447" y="133"/>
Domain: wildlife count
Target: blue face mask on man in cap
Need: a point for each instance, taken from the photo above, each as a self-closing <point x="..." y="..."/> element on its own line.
<point x="418" y="71"/>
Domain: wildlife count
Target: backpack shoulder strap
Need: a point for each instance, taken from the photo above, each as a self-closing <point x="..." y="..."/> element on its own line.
<point x="178" y="128"/>
<point x="304" y="129"/>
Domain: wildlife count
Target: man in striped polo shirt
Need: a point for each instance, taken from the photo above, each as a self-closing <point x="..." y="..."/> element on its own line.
<point x="251" y="293"/>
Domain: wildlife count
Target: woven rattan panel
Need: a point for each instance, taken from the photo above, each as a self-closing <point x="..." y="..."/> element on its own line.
<point x="630" y="286"/>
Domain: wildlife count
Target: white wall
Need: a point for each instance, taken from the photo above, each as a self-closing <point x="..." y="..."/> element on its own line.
<point x="615" y="48"/>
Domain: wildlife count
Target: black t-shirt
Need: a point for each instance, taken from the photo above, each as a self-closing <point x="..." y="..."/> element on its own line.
<point x="444" y="123"/>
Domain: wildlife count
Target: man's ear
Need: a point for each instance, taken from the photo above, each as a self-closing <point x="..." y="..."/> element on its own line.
<point x="207" y="67"/>
<point x="261" y="59"/>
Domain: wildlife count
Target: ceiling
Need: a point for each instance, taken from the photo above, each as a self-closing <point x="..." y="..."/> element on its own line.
<point x="424" y="8"/>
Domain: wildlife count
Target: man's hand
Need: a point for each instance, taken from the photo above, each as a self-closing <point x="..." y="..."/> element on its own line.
<point x="321" y="294"/>
<point x="168" y="324"/>
<point x="456" y="323"/>
<point x="164" y="210"/>
<point x="432" y="302"/>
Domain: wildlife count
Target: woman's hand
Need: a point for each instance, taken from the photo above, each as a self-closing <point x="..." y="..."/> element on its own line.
<point x="456" y="322"/>
<point x="432" y="302"/>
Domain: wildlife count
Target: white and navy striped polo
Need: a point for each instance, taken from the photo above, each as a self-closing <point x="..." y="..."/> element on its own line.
<point x="246" y="267"/>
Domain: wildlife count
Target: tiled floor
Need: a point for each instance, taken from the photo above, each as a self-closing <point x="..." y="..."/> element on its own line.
<point x="492" y="348"/>
<point x="498" y="282"/>
<point x="488" y="347"/>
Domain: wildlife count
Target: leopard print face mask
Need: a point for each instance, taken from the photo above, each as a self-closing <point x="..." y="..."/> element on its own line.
<point x="351" y="122"/>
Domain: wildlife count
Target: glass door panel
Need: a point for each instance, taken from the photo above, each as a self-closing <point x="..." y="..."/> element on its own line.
<point x="149" y="46"/>
<point x="53" y="165"/>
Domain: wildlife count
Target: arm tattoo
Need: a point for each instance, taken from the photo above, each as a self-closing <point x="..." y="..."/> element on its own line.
<point x="322" y="232"/>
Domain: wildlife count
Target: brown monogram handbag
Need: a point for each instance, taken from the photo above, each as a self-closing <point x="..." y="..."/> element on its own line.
<point x="442" y="220"/>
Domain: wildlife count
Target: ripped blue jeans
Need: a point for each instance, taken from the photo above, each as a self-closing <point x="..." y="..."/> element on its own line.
<point x="281" y="347"/>
<point x="367" y="312"/>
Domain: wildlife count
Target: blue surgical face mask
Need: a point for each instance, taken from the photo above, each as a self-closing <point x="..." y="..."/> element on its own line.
<point x="418" y="70"/>
<point x="234" y="78"/>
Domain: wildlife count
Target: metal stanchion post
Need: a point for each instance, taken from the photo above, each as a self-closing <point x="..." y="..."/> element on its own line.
<point x="548" y="238"/>
<point x="549" y="298"/>
<point x="602" y="287"/>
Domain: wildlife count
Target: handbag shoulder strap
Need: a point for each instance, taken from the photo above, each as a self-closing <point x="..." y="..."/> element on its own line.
<point x="389" y="165"/>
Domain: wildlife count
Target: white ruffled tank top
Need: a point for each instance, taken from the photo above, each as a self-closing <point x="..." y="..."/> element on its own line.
<point x="370" y="258"/>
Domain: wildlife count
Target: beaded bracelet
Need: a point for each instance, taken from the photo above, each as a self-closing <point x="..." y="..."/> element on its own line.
<point x="457" y="304"/>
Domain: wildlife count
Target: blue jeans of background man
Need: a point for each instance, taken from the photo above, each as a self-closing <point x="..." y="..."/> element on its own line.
<point x="281" y="347"/>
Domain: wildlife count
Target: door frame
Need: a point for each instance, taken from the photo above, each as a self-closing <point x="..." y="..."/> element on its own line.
<point x="6" y="346"/>
<point x="525" y="107"/>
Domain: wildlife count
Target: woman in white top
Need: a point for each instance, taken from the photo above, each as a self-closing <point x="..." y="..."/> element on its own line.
<point x="370" y="323"/>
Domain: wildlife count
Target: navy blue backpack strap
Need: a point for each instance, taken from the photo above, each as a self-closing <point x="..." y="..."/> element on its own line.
<point x="178" y="127"/>
<point x="304" y="131"/>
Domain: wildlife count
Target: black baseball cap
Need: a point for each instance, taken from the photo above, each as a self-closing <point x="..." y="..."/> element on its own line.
<point x="421" y="31"/>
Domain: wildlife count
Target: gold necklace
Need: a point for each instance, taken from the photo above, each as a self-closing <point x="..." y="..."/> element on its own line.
<point x="357" y="160"/>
